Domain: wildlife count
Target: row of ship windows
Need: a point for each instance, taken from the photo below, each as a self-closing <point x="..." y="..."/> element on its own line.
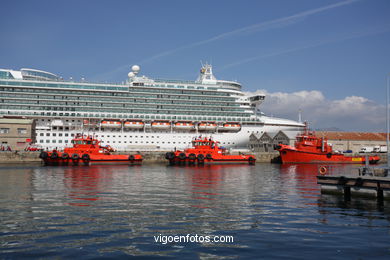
<point x="123" y="88"/>
<point x="66" y="100"/>
<point x="124" y="142"/>
<point x="8" y="92"/>
<point x="121" y="110"/>
<point x="132" y="116"/>
<point x="167" y="105"/>
<point x="105" y="136"/>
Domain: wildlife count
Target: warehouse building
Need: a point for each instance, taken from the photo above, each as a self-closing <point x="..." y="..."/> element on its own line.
<point x="16" y="133"/>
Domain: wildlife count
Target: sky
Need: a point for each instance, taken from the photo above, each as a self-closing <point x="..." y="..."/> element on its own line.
<point x="329" y="59"/>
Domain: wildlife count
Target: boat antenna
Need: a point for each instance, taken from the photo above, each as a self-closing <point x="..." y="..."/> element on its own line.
<point x="300" y="115"/>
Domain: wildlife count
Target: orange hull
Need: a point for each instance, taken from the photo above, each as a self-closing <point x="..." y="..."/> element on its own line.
<point x="207" y="151"/>
<point x="295" y="156"/>
<point x="309" y="148"/>
<point x="93" y="159"/>
<point x="87" y="151"/>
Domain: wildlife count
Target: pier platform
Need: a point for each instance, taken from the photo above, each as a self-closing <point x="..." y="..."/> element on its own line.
<point x="378" y="187"/>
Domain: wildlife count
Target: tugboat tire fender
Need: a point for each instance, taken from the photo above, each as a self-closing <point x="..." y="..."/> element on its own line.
<point x="85" y="157"/>
<point x="54" y="155"/>
<point x="65" y="156"/>
<point x="169" y="155"/>
<point x="182" y="156"/>
<point x="200" y="157"/>
<point x="43" y="155"/>
<point x="209" y="156"/>
<point x="75" y="156"/>
<point x="131" y="158"/>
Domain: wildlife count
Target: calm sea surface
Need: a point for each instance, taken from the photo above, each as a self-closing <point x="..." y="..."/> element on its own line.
<point x="272" y="211"/>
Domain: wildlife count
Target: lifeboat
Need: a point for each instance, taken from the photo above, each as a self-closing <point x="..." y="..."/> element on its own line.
<point x="87" y="150"/>
<point x="161" y="125"/>
<point x="87" y="122"/>
<point x="309" y="148"/>
<point x="183" y="126"/>
<point x="111" y="124"/>
<point x="206" y="150"/>
<point x="231" y="127"/>
<point x="207" y="126"/>
<point x="134" y="124"/>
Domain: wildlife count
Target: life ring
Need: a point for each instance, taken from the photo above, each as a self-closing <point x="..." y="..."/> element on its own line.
<point x="323" y="170"/>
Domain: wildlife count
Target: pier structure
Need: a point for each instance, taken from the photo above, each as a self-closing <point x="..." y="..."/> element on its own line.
<point x="359" y="185"/>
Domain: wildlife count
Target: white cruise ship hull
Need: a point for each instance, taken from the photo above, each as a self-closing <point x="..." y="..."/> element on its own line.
<point x="151" y="139"/>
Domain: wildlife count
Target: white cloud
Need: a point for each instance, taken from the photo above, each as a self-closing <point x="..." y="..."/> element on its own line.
<point x="351" y="113"/>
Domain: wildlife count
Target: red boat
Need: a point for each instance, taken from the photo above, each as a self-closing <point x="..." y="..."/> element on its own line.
<point x="87" y="150"/>
<point x="205" y="150"/>
<point x="312" y="149"/>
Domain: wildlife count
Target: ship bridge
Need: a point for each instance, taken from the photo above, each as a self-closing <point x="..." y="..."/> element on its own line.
<point x="207" y="77"/>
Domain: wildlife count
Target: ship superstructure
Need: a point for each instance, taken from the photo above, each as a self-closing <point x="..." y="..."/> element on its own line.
<point x="141" y="113"/>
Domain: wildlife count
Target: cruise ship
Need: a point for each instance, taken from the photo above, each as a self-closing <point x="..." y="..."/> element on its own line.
<point x="141" y="113"/>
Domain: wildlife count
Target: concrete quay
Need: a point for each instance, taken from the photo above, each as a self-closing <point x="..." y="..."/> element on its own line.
<point x="13" y="157"/>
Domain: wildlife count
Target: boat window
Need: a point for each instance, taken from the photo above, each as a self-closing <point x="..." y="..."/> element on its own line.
<point x="89" y="142"/>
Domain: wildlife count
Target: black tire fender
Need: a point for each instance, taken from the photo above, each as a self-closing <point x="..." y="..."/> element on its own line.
<point x="43" y="155"/>
<point x="85" y="157"/>
<point x="182" y="156"/>
<point x="54" y="155"/>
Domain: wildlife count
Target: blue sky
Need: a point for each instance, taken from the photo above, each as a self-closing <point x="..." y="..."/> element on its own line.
<point x="320" y="53"/>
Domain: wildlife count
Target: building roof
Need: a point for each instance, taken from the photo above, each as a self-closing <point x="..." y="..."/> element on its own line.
<point x="355" y="136"/>
<point x="15" y="121"/>
<point x="289" y="134"/>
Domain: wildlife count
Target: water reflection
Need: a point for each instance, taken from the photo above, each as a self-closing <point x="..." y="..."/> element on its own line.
<point x="114" y="211"/>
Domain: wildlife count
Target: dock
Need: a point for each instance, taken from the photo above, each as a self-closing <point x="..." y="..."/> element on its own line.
<point x="378" y="187"/>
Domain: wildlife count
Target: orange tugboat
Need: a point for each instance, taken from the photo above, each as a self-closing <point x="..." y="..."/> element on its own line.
<point x="206" y="150"/>
<point x="312" y="149"/>
<point x="87" y="150"/>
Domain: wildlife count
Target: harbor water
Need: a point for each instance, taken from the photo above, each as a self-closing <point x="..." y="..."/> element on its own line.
<point x="271" y="211"/>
